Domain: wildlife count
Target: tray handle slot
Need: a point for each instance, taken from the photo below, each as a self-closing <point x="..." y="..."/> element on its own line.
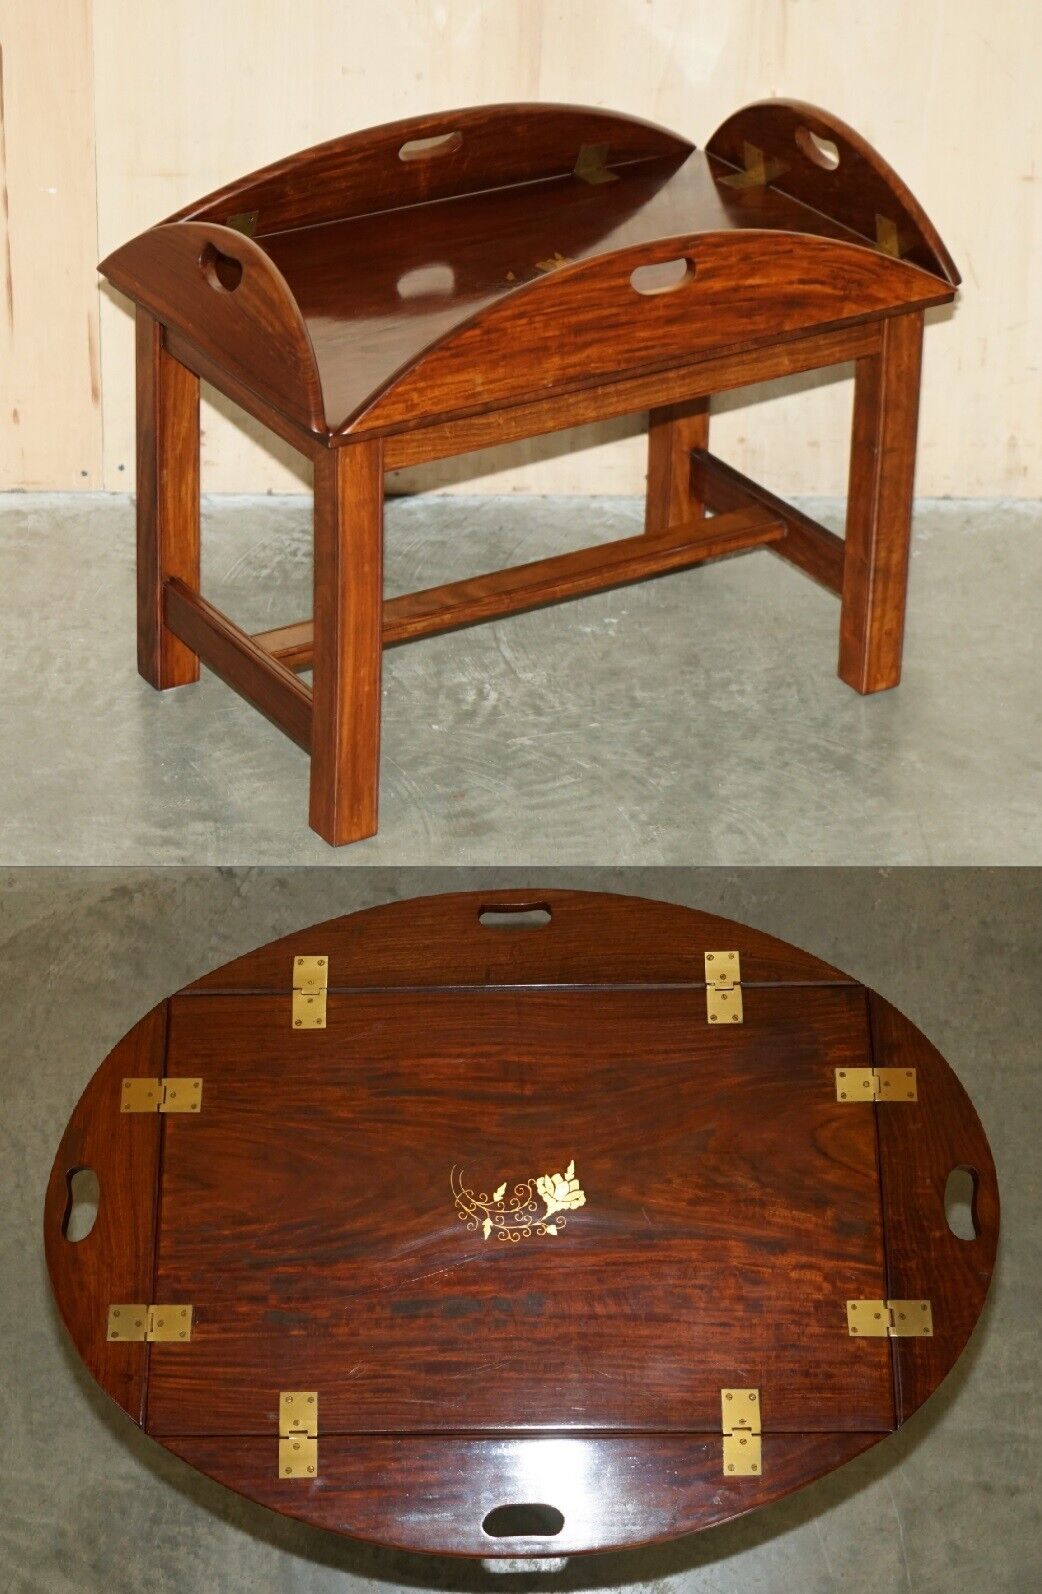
<point x="523" y="1520"/>
<point x="425" y="149"/>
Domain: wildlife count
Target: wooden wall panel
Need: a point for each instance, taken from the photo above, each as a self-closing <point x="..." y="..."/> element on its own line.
<point x="187" y="96"/>
<point x="50" y="386"/>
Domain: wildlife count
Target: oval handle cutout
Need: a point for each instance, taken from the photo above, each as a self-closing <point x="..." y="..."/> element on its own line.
<point x="81" y="1209"/>
<point x="223" y="272"/>
<point x="525" y="916"/>
<point x="822" y="151"/>
<point x="427" y="282"/>
<point x="960" y="1203"/>
<point x="523" y="1521"/>
<point x="664" y="276"/>
<point x="422" y="149"/>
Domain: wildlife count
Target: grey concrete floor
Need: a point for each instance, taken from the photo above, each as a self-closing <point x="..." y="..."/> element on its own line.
<point x="949" y="1504"/>
<point x="696" y="719"/>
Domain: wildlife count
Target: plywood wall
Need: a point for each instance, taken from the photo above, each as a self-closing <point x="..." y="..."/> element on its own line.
<point x="186" y="94"/>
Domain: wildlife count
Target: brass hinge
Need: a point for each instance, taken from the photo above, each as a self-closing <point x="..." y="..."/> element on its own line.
<point x="592" y="164"/>
<point x="890" y="1319"/>
<point x="758" y="171"/>
<point x="723" y="988"/>
<point x="161" y="1095"/>
<point x="310" y="981"/>
<point x="740" y="1418"/>
<point x="876" y="1084"/>
<point x="244" y="221"/>
<point x="152" y="1323"/>
<point x="298" y="1433"/>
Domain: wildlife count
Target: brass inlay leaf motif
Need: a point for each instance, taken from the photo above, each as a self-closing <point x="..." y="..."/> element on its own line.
<point x="516" y="1216"/>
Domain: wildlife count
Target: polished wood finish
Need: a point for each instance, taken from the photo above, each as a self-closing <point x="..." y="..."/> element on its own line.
<point x="116" y="1261"/>
<point x="240" y="661"/>
<point x="545" y="581"/>
<point x="879" y="508"/>
<point x="463" y="280"/>
<point x="674" y="431"/>
<point x="814" y="549"/>
<point x="917" y="1152"/>
<point x="348" y="644"/>
<point x="167" y="502"/>
<point x="309" y="1213"/>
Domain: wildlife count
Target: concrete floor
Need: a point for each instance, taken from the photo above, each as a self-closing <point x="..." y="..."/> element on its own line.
<point x="695" y="719"/>
<point x="949" y="1504"/>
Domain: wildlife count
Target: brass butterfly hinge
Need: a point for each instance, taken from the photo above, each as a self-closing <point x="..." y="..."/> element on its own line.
<point x="740" y="1418"/>
<point x="310" y="981"/>
<point x="244" y="221"/>
<point x="723" y="988"/>
<point x="758" y="171"/>
<point x="592" y="164"/>
<point x="876" y="1084"/>
<point x="161" y="1095"/>
<point x="153" y="1323"/>
<point x="298" y="1433"/>
<point x="890" y="1319"/>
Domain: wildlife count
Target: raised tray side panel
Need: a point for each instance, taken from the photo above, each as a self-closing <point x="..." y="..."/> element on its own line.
<point x="115" y="1262"/>
<point x="432" y="1495"/>
<point x="591" y="321"/>
<point x="920" y="1143"/>
<point x="224" y="293"/>
<point x="812" y="156"/>
<point x="445" y="154"/>
<point x="586" y="937"/>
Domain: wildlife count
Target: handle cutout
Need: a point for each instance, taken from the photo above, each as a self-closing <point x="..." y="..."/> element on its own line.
<point x="525" y="916"/>
<point x="81" y="1209"/>
<point x="523" y="1521"/>
<point x="664" y="276"/>
<point x="960" y="1203"/>
<point x="222" y="272"/>
<point x="822" y="151"/>
<point x="427" y="282"/>
<point x="422" y="149"/>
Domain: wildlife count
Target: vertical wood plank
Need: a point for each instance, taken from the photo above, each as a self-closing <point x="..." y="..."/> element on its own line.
<point x="879" y="507"/>
<point x="167" y="501"/>
<point x="673" y="431"/>
<point x="348" y="644"/>
<point x="50" y="383"/>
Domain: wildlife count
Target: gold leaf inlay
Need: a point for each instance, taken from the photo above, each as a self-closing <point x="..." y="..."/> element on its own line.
<point x="517" y="1216"/>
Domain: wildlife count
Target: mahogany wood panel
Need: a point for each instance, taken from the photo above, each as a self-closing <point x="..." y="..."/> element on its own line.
<point x="589" y="938"/>
<point x="860" y="190"/>
<point x="250" y="327"/>
<point x="673" y="431"/>
<point x="706" y="1153"/>
<point x="321" y="1213"/>
<point x="432" y="1495"/>
<point x="918" y="1150"/>
<point x="348" y="644"/>
<point x="879" y="508"/>
<point x="585" y="323"/>
<point x="238" y="660"/>
<point x="738" y="367"/>
<point x="167" y="501"/>
<point x="814" y="549"/>
<point x="363" y="172"/>
<point x="545" y="581"/>
<point x="115" y="1261"/>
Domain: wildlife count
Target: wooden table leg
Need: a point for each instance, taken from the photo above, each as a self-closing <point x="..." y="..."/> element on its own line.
<point x="879" y="507"/>
<point x="348" y="642"/>
<point x="167" y="501"/>
<point x="673" y="431"/>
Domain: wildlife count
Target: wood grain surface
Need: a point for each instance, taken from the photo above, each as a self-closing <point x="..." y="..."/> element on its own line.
<point x="115" y="1262"/>
<point x="342" y="1213"/>
<point x="706" y="1154"/>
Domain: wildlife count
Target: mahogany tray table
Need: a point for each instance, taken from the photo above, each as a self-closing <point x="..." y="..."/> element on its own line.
<point x="451" y="282"/>
<point x="500" y="1238"/>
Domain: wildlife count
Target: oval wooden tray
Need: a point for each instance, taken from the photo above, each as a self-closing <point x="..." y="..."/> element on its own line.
<point x="411" y="1216"/>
